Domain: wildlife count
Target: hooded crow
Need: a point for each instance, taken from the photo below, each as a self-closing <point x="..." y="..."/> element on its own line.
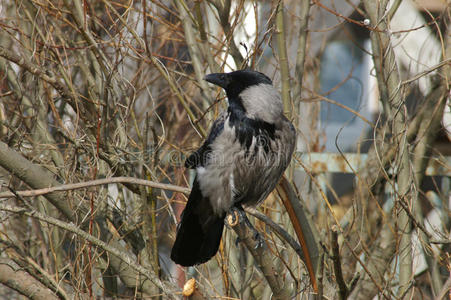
<point x="241" y="161"/>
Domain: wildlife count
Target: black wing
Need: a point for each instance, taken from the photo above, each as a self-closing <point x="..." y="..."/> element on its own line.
<point x="199" y="157"/>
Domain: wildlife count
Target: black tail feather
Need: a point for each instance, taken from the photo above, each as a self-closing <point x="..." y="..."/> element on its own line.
<point x="199" y="232"/>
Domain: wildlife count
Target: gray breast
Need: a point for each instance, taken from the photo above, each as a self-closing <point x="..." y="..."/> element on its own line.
<point x="234" y="174"/>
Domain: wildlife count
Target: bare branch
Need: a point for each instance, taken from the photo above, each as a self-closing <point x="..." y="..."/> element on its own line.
<point x="282" y="233"/>
<point x="34" y="176"/>
<point x="97" y="182"/>
<point x="129" y="261"/>
<point x="342" y="287"/>
<point x="303" y="228"/>
<point x="35" y="70"/>
<point x="283" y="59"/>
<point x="15" y="278"/>
<point x="264" y="259"/>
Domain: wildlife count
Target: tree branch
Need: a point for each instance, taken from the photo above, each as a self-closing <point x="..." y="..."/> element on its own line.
<point x="34" y="176"/>
<point x="372" y="280"/>
<point x="126" y="259"/>
<point x="283" y="59"/>
<point x="97" y="182"/>
<point x="37" y="71"/>
<point x="343" y="290"/>
<point x="264" y="259"/>
<point x="282" y="233"/>
<point x="15" y="278"/>
<point x="303" y="228"/>
<point x="224" y="14"/>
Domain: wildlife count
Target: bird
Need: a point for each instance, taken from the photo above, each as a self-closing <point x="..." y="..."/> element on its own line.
<point x="248" y="148"/>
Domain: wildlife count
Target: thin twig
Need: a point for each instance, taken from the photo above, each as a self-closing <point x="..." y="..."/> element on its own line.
<point x="91" y="183"/>
<point x="282" y="233"/>
<point x="342" y="287"/>
<point x="193" y="48"/>
<point x="162" y="70"/>
<point x="37" y="70"/>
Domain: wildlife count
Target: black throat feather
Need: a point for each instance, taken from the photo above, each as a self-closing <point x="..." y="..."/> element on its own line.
<point x="247" y="128"/>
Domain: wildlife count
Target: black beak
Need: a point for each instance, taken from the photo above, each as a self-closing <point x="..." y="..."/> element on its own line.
<point x="220" y="79"/>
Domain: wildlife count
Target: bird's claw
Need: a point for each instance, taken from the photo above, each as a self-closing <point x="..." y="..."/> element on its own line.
<point x="233" y="217"/>
<point x="259" y="239"/>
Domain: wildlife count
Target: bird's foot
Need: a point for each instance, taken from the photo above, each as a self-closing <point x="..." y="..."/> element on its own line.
<point x="237" y="216"/>
<point x="233" y="218"/>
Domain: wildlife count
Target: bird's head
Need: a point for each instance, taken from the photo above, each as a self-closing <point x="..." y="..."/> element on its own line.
<point x="236" y="82"/>
<point x="250" y="91"/>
